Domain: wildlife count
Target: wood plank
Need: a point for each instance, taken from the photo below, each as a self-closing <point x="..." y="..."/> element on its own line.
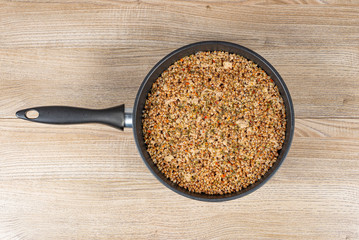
<point x="90" y="176"/>
<point x="238" y="2"/>
<point x="327" y="128"/>
<point x="170" y="24"/>
<point x="94" y="211"/>
<point x="99" y="78"/>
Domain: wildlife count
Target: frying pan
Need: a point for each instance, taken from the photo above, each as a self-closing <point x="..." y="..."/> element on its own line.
<point x="119" y="118"/>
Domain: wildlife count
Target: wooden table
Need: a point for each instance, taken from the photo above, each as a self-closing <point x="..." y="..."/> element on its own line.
<point x="89" y="182"/>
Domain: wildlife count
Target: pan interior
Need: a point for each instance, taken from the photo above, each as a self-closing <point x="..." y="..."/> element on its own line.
<point x="192" y="49"/>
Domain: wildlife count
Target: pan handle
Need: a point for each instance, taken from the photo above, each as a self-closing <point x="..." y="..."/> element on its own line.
<point x="114" y="117"/>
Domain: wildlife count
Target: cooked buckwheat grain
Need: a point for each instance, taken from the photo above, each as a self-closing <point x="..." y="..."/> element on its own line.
<point x="213" y="122"/>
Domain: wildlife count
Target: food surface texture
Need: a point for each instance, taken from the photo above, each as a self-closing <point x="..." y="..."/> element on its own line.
<point x="214" y="122"/>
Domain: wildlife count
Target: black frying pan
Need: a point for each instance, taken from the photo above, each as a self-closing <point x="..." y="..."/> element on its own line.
<point x="118" y="118"/>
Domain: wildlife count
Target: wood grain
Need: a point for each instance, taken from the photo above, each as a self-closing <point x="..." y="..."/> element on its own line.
<point x="89" y="182"/>
<point x="58" y="47"/>
<point x="93" y="178"/>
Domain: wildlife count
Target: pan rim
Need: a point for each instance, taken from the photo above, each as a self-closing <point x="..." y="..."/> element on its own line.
<point x="289" y="115"/>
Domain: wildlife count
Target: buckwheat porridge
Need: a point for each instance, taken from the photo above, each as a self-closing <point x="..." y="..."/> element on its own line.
<point x="214" y="122"/>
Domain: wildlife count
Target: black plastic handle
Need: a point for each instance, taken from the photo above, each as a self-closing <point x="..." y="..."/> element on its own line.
<point x="114" y="117"/>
